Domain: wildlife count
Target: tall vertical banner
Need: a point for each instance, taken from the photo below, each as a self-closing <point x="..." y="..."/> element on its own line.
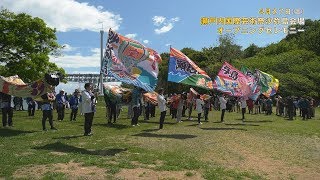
<point x="185" y="71"/>
<point x="232" y="82"/>
<point x="130" y="62"/>
<point x="253" y="82"/>
<point x="269" y="84"/>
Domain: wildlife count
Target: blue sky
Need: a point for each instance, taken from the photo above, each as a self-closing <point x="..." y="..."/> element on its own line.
<point x="154" y="23"/>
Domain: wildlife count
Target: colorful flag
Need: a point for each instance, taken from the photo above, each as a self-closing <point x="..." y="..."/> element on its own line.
<point x="151" y="97"/>
<point x="192" y="95"/>
<point x="232" y="81"/>
<point x="14" y="86"/>
<point x="269" y="84"/>
<point x="253" y="83"/>
<point x="185" y="71"/>
<point x="116" y="94"/>
<point x="131" y="62"/>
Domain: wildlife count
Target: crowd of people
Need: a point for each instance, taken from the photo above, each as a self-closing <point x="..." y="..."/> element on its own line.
<point x="180" y="107"/>
<point x="50" y="101"/>
<point x="182" y="104"/>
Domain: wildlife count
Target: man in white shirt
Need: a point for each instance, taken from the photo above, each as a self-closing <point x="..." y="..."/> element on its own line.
<point x="88" y="108"/>
<point x="162" y="106"/>
<point x="199" y="107"/>
<point x="223" y="106"/>
<point x="243" y="107"/>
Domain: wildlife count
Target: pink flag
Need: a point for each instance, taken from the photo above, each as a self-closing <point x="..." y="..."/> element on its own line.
<point x="232" y="81"/>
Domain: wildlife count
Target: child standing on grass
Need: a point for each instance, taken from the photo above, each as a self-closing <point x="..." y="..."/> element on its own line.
<point x="162" y="107"/>
<point x="199" y="107"/>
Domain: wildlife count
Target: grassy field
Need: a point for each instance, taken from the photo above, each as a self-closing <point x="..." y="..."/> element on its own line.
<point x="265" y="147"/>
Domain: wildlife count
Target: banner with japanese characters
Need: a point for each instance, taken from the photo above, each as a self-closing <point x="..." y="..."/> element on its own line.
<point x="185" y="71"/>
<point x="232" y="82"/>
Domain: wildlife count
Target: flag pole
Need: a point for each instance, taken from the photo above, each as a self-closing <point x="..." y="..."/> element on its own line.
<point x="168" y="69"/>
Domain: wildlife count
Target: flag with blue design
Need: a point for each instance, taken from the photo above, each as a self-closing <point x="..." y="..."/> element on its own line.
<point x="253" y="82"/>
<point x="185" y="71"/>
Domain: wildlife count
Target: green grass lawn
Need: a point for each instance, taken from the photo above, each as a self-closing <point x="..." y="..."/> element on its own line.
<point x="265" y="147"/>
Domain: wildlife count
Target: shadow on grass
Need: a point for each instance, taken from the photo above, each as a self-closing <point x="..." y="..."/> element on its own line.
<point x="261" y="121"/>
<point x="60" y="147"/>
<point x="150" y="130"/>
<point x="68" y="137"/>
<point x="223" y="129"/>
<point x="242" y="124"/>
<point x="193" y="124"/>
<point x="173" y="136"/>
<point x="13" y="132"/>
<point x="113" y="125"/>
<point x="156" y="122"/>
<point x="217" y="122"/>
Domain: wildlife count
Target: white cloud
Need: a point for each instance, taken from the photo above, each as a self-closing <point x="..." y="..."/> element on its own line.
<point x="168" y="44"/>
<point x="164" y="29"/>
<point x="131" y="36"/>
<point x="66" y="15"/>
<point x="166" y="25"/>
<point x="145" y="41"/>
<point x="158" y="20"/>
<point x="176" y="19"/>
<point x="68" y="48"/>
<point x="78" y="61"/>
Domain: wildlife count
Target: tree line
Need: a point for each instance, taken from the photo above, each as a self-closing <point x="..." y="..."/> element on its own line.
<point x="26" y="43"/>
<point x="295" y="61"/>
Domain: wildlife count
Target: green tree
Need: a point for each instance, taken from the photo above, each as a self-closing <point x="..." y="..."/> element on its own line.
<point x="227" y="49"/>
<point x="251" y="51"/>
<point x="25" y="46"/>
<point x="309" y="39"/>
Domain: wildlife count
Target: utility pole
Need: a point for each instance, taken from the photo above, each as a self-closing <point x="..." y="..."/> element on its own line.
<point x="101" y="61"/>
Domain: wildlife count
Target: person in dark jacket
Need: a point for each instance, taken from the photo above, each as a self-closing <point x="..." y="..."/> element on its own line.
<point x="31" y="106"/>
<point x="74" y="104"/>
<point x="7" y="111"/>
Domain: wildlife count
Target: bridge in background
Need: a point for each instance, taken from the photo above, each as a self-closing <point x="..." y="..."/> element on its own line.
<point x="91" y="78"/>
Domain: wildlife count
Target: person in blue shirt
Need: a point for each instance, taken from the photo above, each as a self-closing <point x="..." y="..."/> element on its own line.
<point x="136" y="101"/>
<point x="48" y="98"/>
<point x="61" y="104"/>
<point x="74" y="104"/>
